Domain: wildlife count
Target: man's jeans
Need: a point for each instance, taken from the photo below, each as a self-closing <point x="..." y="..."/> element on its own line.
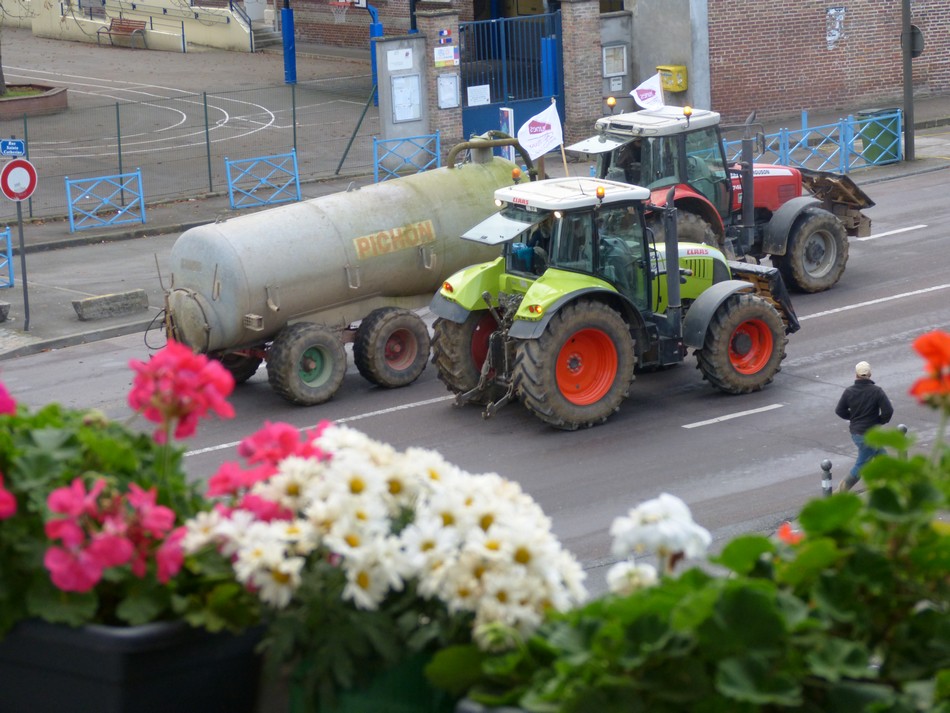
<point x="865" y="453"/>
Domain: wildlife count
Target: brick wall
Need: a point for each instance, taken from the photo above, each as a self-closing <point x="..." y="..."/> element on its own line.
<point x="583" y="84"/>
<point x="783" y="56"/>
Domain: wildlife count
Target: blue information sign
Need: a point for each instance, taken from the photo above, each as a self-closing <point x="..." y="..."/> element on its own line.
<point x="12" y="147"/>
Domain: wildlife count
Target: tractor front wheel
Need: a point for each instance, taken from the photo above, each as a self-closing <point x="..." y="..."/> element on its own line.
<point x="459" y="350"/>
<point x="579" y="371"/>
<point x="306" y="363"/>
<point x="391" y="347"/>
<point x="744" y="345"/>
<point x="816" y="254"/>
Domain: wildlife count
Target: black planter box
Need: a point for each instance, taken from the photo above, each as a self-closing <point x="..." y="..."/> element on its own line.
<point x="165" y="667"/>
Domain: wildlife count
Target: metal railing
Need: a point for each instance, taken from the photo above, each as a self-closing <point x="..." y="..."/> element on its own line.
<point x="105" y="201"/>
<point x="872" y="139"/>
<point x="393" y="158"/>
<point x="267" y="180"/>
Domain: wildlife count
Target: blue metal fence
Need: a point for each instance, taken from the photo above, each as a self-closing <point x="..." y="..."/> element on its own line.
<point x="873" y="139"/>
<point x="393" y="158"/>
<point x="266" y="180"/>
<point x="6" y="259"/>
<point x="105" y="201"/>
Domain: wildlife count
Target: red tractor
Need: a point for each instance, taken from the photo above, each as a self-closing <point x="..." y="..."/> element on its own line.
<point x="799" y="218"/>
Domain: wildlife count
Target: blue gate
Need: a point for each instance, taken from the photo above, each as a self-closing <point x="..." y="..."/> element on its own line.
<point x="509" y="62"/>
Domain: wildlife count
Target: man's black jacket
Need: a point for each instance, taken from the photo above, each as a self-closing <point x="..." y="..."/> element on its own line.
<point x="865" y="405"/>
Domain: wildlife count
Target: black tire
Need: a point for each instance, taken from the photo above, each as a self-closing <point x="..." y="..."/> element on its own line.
<point x="241" y="366"/>
<point x="306" y="363"/>
<point x="460" y="350"/>
<point x="579" y="371"/>
<point x="816" y="254"/>
<point x="391" y="347"/>
<point x="744" y="345"/>
<point x="690" y="228"/>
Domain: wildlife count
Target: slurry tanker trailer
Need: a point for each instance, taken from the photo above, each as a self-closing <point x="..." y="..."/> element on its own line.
<point x="291" y="285"/>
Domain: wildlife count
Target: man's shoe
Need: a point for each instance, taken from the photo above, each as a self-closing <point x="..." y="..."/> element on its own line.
<point x="843" y="487"/>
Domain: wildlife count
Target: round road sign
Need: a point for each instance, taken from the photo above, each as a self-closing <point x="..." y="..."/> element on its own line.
<point x="18" y="179"/>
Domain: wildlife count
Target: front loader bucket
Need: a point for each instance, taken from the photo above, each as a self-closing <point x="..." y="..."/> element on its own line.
<point x="841" y="196"/>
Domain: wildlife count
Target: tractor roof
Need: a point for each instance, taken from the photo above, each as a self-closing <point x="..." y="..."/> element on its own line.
<point x="660" y="122"/>
<point x="569" y="193"/>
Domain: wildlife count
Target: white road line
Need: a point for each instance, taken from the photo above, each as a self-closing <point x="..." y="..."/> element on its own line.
<point x="858" y="305"/>
<point x="360" y="417"/>
<point x="729" y="417"/>
<point x="890" y="232"/>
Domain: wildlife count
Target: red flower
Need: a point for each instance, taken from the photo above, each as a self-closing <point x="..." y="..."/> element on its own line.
<point x="179" y="386"/>
<point x="72" y="570"/>
<point x="169" y="557"/>
<point x="7" y="501"/>
<point x="7" y="404"/>
<point x="787" y="534"/>
<point x="935" y="387"/>
<point x="74" y="501"/>
<point x="274" y="442"/>
<point x="156" y="520"/>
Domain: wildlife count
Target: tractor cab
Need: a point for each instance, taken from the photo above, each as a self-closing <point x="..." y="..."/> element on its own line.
<point x="567" y="225"/>
<point x="662" y="148"/>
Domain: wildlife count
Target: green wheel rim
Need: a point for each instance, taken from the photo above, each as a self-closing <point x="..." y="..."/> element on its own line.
<point x="313" y="367"/>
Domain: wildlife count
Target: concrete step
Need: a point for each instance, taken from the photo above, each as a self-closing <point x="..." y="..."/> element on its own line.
<point x="266" y="37"/>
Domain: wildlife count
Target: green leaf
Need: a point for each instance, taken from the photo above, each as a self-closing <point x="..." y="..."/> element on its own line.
<point x="142" y="605"/>
<point x="822" y="516"/>
<point x="743" y="553"/>
<point x="455" y="668"/>
<point x="812" y="558"/>
<point x="834" y="659"/>
<point x="750" y="678"/>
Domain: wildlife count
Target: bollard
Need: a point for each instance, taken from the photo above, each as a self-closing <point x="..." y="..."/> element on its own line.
<point x="826" y="478"/>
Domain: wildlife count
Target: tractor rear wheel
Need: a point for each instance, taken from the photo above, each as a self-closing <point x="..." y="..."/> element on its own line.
<point x="817" y="252"/>
<point x="459" y="350"/>
<point x="391" y="347"/>
<point x="744" y="345"/>
<point x="690" y="228"/>
<point x="241" y="366"/>
<point x="579" y="371"/>
<point x="306" y="363"/>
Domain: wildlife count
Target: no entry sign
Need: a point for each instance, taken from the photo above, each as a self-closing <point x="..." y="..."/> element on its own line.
<point x="18" y="179"/>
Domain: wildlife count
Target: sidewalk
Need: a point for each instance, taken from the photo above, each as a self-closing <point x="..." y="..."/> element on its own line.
<point x="129" y="260"/>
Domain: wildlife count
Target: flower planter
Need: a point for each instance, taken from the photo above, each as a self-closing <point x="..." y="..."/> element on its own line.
<point x="50" y="100"/>
<point x="402" y="689"/>
<point x="166" y="667"/>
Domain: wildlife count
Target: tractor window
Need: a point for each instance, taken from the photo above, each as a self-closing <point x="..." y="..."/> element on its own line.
<point x="706" y="169"/>
<point x="573" y="244"/>
<point x="621" y="250"/>
<point x="659" y="162"/>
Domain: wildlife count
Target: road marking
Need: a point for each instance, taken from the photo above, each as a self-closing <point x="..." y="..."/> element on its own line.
<point x="729" y="417"/>
<point x="360" y="417"/>
<point x="873" y="302"/>
<point x="890" y="232"/>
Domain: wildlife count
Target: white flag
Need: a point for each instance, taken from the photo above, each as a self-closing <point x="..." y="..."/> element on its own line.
<point x="649" y="95"/>
<point x="541" y="133"/>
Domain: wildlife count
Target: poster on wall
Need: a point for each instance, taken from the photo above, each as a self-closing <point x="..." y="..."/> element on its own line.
<point x="446" y="56"/>
<point x="397" y="60"/>
<point x="407" y="105"/>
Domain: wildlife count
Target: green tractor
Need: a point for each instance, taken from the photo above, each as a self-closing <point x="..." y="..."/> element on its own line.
<point x="582" y="297"/>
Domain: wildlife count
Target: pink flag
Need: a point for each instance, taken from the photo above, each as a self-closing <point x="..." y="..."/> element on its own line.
<point x="541" y="132"/>
<point x="649" y="95"/>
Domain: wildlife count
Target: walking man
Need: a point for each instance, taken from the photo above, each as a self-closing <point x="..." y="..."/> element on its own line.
<point x="864" y="404"/>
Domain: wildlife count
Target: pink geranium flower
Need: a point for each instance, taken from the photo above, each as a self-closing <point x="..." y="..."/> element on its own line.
<point x="74" y="500"/>
<point x="169" y="557"/>
<point x="7" y="404"/>
<point x="177" y="386"/>
<point x="72" y="570"/>
<point x="7" y="501"/>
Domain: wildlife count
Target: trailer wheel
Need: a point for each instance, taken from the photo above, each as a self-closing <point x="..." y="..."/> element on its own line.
<point x="391" y="347"/>
<point x="817" y="252"/>
<point x="241" y="366"/>
<point x="460" y="350"/>
<point x="744" y="345"/>
<point x="579" y="371"/>
<point x="306" y="363"/>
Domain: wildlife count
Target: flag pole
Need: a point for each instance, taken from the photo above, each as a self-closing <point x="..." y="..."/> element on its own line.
<point x="563" y="155"/>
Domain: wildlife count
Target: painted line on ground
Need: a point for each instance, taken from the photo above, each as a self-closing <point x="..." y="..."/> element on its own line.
<point x="859" y="305"/>
<point x="890" y="232"/>
<point x="730" y="416"/>
<point x="348" y="419"/>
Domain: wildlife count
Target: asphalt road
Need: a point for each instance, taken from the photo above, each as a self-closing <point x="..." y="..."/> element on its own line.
<point x="741" y="463"/>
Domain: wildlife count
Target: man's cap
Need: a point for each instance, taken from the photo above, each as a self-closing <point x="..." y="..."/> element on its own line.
<point x="862" y="368"/>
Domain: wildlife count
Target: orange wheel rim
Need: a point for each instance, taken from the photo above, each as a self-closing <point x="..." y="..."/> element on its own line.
<point x="586" y="367"/>
<point x="479" y="346"/>
<point x="751" y="346"/>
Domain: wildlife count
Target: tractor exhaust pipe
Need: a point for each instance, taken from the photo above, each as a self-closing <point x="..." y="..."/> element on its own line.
<point x="674" y="308"/>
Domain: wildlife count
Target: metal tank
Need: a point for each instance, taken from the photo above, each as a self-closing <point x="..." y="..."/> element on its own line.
<point x="287" y="283"/>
